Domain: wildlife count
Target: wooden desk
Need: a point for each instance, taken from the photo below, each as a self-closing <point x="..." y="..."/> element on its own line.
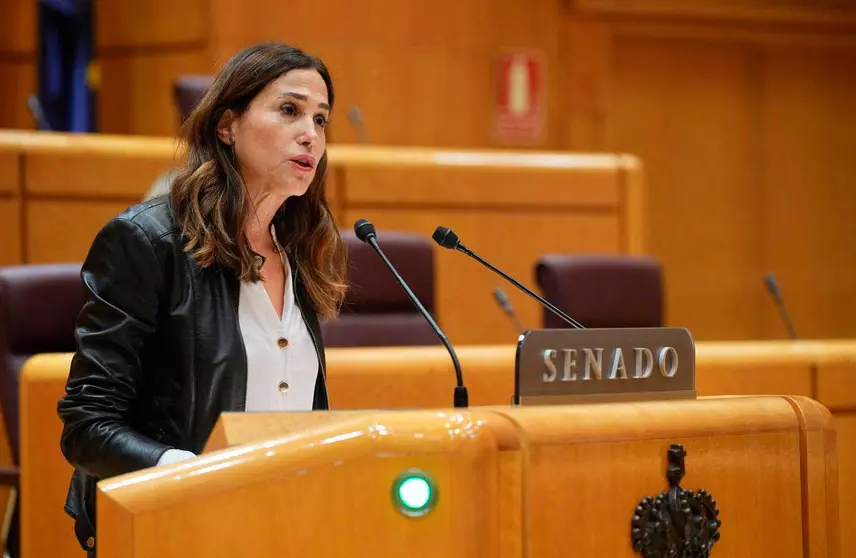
<point x="565" y="203"/>
<point x="424" y="378"/>
<point x="509" y="482"/>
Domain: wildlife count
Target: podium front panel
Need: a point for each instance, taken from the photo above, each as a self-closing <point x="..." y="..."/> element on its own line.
<point x="759" y="473"/>
<point x="768" y="462"/>
<point x="324" y="492"/>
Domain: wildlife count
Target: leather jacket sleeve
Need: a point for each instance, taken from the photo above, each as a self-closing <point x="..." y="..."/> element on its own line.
<point x="124" y="280"/>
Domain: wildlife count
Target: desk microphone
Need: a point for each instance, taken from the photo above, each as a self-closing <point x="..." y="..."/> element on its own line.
<point x="365" y="231"/>
<point x="502" y="300"/>
<point x="38" y="113"/>
<point x="355" y="116"/>
<point x="448" y="239"/>
<point x="776" y="294"/>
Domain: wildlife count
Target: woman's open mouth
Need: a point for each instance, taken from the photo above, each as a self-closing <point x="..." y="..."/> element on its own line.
<point x="303" y="162"/>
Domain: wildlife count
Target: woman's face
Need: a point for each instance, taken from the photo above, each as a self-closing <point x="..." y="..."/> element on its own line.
<point x="280" y="138"/>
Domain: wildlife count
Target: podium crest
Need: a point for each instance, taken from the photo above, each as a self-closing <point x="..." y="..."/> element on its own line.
<point x="678" y="523"/>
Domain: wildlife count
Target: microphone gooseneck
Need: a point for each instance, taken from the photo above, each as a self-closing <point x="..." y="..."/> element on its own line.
<point x="502" y="300"/>
<point x="447" y="238"/>
<point x="776" y="294"/>
<point x="366" y="232"/>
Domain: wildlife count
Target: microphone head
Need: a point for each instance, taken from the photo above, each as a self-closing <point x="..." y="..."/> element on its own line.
<point x="773" y="286"/>
<point x="355" y="116"/>
<point x="364" y="230"/>
<point x="501" y="297"/>
<point x="445" y="238"/>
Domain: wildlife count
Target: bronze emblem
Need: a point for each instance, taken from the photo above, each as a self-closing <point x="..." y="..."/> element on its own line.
<point x="678" y="523"/>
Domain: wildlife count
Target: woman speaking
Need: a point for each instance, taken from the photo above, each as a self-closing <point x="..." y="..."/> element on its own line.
<point x="208" y="299"/>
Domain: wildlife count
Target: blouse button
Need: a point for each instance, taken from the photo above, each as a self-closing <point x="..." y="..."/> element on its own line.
<point x="283" y="387"/>
<point x="282" y="343"/>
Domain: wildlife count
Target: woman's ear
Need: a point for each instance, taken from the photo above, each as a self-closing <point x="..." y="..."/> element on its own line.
<point x="225" y="128"/>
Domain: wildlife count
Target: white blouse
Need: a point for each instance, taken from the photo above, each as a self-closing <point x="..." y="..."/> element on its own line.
<point x="282" y="364"/>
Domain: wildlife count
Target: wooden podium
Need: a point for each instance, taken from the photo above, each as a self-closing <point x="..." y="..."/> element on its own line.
<point x="491" y="482"/>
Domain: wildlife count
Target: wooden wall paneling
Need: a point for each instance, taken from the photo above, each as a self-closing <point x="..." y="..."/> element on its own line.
<point x="143" y="45"/>
<point x="412" y="95"/>
<point x="18" y="76"/>
<point x="78" y="190"/>
<point x="694" y="30"/>
<point x="143" y="24"/>
<point x="744" y="173"/>
<point x="796" y="95"/>
<point x="836" y="388"/>
<point x="17" y="62"/>
<point x="503" y="206"/>
<point x="690" y="112"/>
<point x="633" y="206"/>
<point x="10" y="231"/>
<point x="845" y="428"/>
<point x="758" y="379"/>
<point x="836" y="13"/>
<point x="590" y="188"/>
<point x="10" y="172"/>
<point x="809" y="195"/>
<point x="10" y="212"/>
<point x="421" y="74"/>
<point x="464" y="289"/>
<point x="63" y="230"/>
<point x="18" y="26"/>
<point x="136" y="91"/>
<point x="584" y="115"/>
<point x="334" y="187"/>
<point x="77" y="174"/>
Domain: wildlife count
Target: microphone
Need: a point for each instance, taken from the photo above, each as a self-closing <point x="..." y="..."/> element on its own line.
<point x="448" y="239"/>
<point x="776" y="294"/>
<point x="365" y="231"/>
<point x="38" y="113"/>
<point x="355" y="116"/>
<point x="502" y="299"/>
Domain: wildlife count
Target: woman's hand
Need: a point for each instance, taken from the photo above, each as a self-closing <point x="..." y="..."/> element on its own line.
<point x="174" y="456"/>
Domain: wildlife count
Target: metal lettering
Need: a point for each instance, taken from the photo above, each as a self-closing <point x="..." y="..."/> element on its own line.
<point x="618" y="370"/>
<point x="643" y="353"/>
<point x="551" y="372"/>
<point x="597" y="361"/>
<point x="570" y="365"/>
<point x="667" y="371"/>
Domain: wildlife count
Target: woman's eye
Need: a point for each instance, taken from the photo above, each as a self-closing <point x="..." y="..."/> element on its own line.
<point x="289" y="109"/>
<point x="321" y="121"/>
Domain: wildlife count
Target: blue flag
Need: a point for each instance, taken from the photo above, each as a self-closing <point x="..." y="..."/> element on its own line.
<point x="66" y="51"/>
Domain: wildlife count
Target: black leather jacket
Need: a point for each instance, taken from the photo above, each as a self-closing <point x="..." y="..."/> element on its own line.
<point x="159" y="354"/>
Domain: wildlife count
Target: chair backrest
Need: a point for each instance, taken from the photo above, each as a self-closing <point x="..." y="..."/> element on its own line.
<point x="602" y="291"/>
<point x="39" y="305"/>
<point x="377" y="311"/>
<point x="188" y="90"/>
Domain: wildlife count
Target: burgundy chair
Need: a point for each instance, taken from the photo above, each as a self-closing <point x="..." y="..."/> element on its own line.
<point x="39" y="305"/>
<point x="602" y="291"/>
<point x="187" y="91"/>
<point x="376" y="311"/>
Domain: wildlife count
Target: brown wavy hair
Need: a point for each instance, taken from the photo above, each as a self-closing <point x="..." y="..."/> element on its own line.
<point x="210" y="200"/>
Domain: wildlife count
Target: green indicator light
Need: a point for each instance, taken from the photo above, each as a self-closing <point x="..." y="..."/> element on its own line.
<point x="414" y="493"/>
